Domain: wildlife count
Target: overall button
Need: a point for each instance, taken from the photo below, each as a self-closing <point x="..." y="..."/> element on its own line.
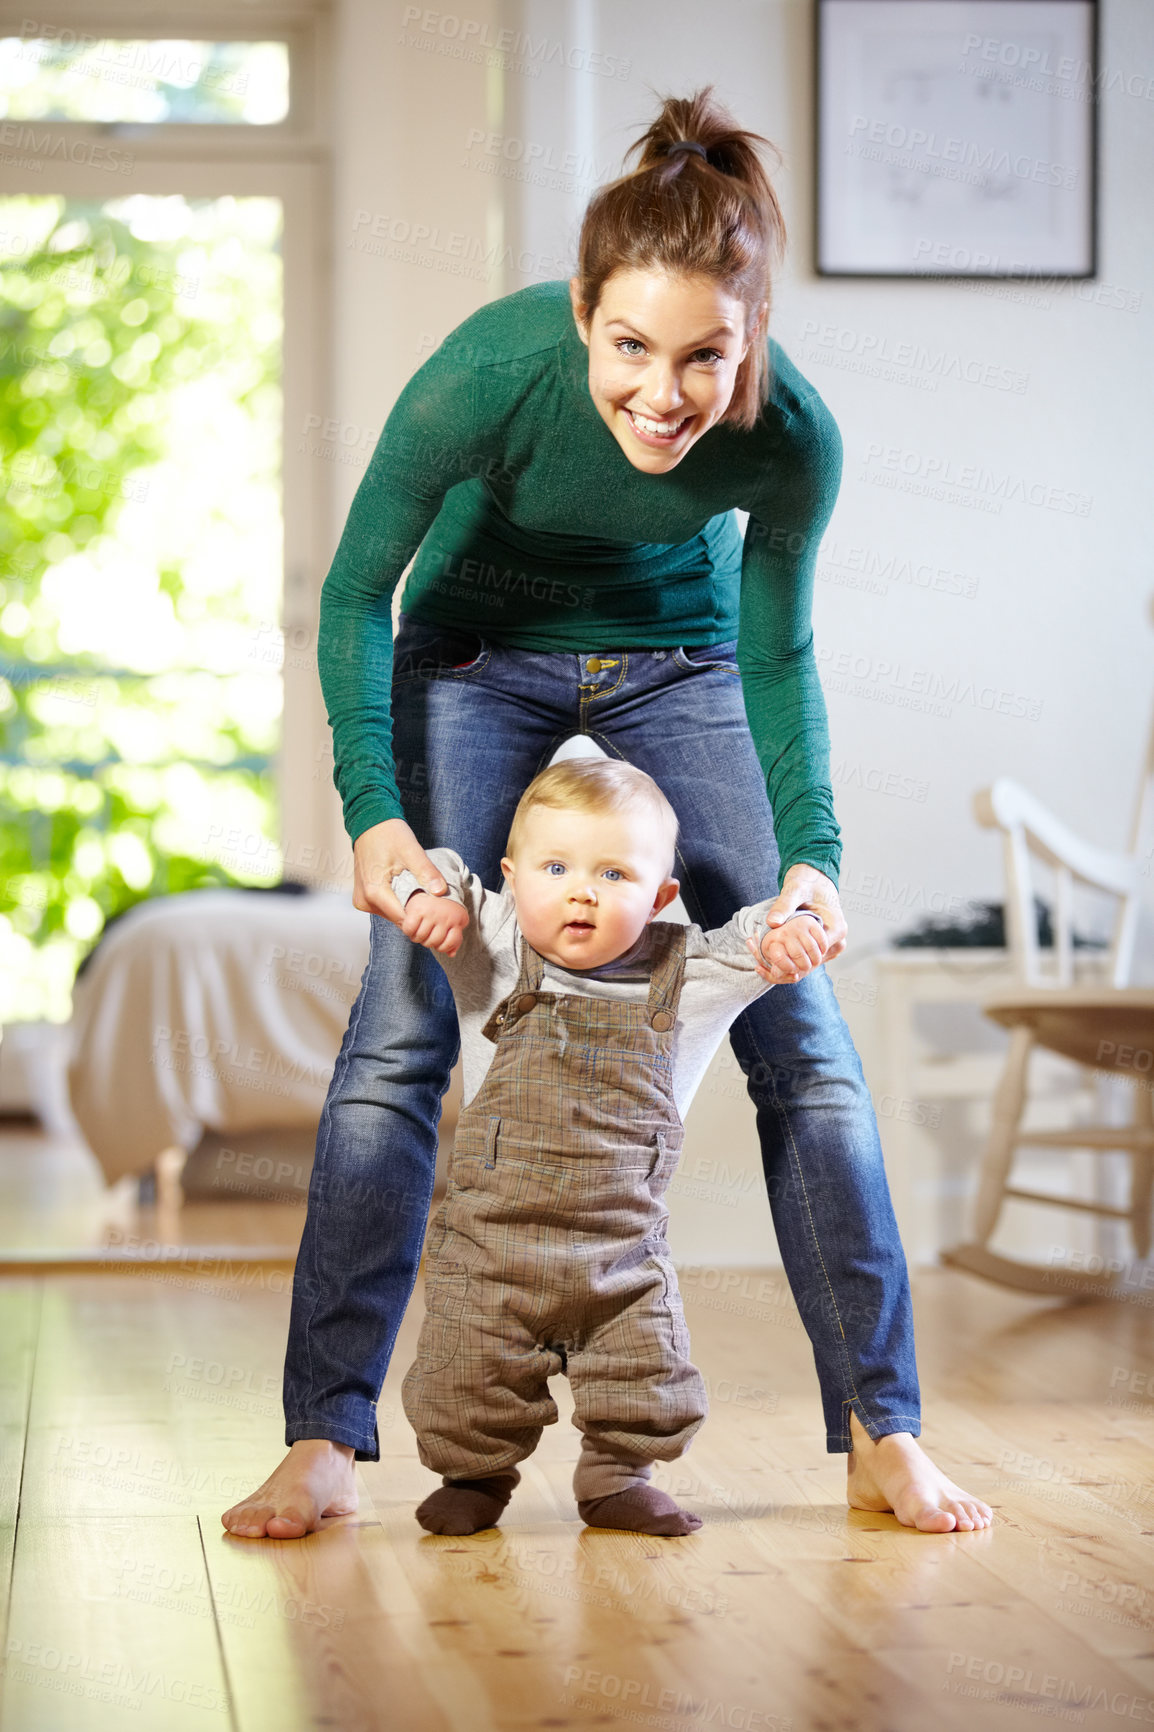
<point x="526" y="1001"/>
<point x="661" y="1020"/>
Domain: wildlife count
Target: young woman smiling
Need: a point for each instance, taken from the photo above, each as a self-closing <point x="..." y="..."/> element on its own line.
<point x="566" y="469"/>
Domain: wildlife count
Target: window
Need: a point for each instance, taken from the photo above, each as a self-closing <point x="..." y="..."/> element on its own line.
<point x="71" y="76"/>
<point x="158" y="332"/>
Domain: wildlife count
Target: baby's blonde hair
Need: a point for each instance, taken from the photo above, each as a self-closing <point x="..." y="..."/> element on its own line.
<point x="594" y="785"/>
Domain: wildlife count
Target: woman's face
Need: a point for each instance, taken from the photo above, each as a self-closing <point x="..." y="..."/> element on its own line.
<point x="663" y="358"/>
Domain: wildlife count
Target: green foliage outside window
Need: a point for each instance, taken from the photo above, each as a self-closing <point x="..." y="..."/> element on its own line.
<point x="139" y="566"/>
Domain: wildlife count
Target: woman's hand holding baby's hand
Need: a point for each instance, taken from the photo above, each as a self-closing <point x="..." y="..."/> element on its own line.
<point x="380" y="854"/>
<point x="784" y="954"/>
<point x="429" y="917"/>
<point x="435" y="922"/>
<point x="804" y="887"/>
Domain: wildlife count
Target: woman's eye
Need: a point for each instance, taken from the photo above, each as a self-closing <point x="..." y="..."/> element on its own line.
<point x="635" y="341"/>
<point x="709" y="356"/>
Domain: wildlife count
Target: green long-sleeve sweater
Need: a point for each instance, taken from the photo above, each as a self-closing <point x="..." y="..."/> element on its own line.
<point x="535" y="529"/>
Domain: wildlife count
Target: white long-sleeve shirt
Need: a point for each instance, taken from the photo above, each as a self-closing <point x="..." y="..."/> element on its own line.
<point x="720" y="978"/>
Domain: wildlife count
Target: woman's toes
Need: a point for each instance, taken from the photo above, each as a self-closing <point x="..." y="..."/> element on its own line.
<point x="932" y="1520"/>
<point x="243" y="1523"/>
<point x="972" y="1512"/>
<point x="285" y="1528"/>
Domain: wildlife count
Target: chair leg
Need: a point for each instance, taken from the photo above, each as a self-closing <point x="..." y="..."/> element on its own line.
<point x="169" y="1193"/>
<point x="1003" y="1139"/>
<point x="1141" y="1172"/>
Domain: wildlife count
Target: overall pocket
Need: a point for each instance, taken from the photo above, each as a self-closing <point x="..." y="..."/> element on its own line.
<point x="446" y="1289"/>
<point x="474" y="1151"/>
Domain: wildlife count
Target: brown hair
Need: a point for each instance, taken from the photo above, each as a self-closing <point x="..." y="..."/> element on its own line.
<point x="714" y="216"/>
<point x="594" y="785"/>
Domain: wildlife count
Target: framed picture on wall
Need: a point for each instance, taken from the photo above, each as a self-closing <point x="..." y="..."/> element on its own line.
<point x="956" y="138"/>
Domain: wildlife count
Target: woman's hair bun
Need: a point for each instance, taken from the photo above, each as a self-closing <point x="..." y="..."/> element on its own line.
<point x="702" y="121"/>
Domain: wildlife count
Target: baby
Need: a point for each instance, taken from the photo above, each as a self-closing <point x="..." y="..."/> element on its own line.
<point x="586" y="1027"/>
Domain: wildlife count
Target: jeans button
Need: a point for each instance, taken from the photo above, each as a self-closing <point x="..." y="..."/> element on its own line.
<point x="593" y="666"/>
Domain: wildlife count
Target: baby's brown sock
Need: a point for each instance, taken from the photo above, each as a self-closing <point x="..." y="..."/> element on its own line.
<point x="465" y="1506"/>
<point x="639" y="1509"/>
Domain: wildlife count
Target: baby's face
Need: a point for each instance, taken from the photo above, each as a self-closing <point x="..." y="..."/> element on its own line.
<point x="585" y="884"/>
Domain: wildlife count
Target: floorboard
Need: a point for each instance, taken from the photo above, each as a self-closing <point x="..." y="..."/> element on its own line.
<point x="136" y="1406"/>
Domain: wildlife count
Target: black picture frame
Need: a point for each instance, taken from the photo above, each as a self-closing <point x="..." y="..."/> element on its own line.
<point x="956" y="139"/>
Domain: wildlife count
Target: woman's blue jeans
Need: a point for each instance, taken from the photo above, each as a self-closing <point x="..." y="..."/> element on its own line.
<point x="473" y="722"/>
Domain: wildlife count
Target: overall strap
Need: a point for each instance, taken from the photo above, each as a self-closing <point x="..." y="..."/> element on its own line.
<point x="523" y="996"/>
<point x="668" y="973"/>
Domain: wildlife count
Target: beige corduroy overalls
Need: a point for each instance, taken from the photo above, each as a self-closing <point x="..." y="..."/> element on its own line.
<point x="548" y="1253"/>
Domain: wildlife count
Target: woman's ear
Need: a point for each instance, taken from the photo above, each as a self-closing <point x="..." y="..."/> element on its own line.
<point x="578" y="306"/>
<point x="757" y="326"/>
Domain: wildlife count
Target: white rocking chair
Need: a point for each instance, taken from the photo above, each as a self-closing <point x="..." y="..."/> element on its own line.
<point x="1107" y="1026"/>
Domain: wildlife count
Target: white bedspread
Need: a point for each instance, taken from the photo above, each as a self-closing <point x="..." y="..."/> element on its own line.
<point x="216" y="1010"/>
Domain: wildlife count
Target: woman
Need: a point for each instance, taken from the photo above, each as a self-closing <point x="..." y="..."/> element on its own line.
<point x="567" y="465"/>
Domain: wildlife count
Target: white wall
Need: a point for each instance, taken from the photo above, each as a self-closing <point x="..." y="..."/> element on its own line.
<point x="1052" y="608"/>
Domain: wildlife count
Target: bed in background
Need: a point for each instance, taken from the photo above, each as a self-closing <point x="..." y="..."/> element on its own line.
<point x="210" y="1022"/>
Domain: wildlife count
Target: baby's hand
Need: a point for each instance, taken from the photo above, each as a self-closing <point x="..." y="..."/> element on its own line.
<point x="437" y="922"/>
<point x="784" y="954"/>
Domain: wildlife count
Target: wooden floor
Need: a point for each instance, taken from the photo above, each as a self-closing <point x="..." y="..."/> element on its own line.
<point x="136" y="1406"/>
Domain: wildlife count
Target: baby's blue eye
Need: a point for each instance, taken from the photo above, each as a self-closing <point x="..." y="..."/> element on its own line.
<point x="612" y="872"/>
<point x="554" y="867"/>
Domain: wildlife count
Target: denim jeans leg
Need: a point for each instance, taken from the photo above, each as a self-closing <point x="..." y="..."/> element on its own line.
<point x="682" y="718"/>
<point x="828" y="1192"/>
<point x="464" y="748"/>
<point x="369" y="1195"/>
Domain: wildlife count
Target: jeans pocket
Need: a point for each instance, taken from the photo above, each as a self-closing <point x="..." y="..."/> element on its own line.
<point x="703" y="658"/>
<point x="424" y="650"/>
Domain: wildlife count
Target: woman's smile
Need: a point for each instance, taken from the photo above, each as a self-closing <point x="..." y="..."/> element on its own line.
<point x="654" y="432"/>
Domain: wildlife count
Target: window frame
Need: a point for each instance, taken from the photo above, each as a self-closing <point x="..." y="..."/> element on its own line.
<point x="288" y="160"/>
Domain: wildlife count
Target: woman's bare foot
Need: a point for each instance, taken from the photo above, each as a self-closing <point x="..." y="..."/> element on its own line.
<point x="895" y="1473"/>
<point x="315" y="1480"/>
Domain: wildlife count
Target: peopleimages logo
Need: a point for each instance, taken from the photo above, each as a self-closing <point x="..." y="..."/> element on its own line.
<point x="1024" y="65"/>
<point x="860" y="674"/>
<point x="924" y="148"/>
<point x="473" y="38"/>
<point x="50" y="147"/>
<point x="830" y="342"/>
<point x="996" y="487"/>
